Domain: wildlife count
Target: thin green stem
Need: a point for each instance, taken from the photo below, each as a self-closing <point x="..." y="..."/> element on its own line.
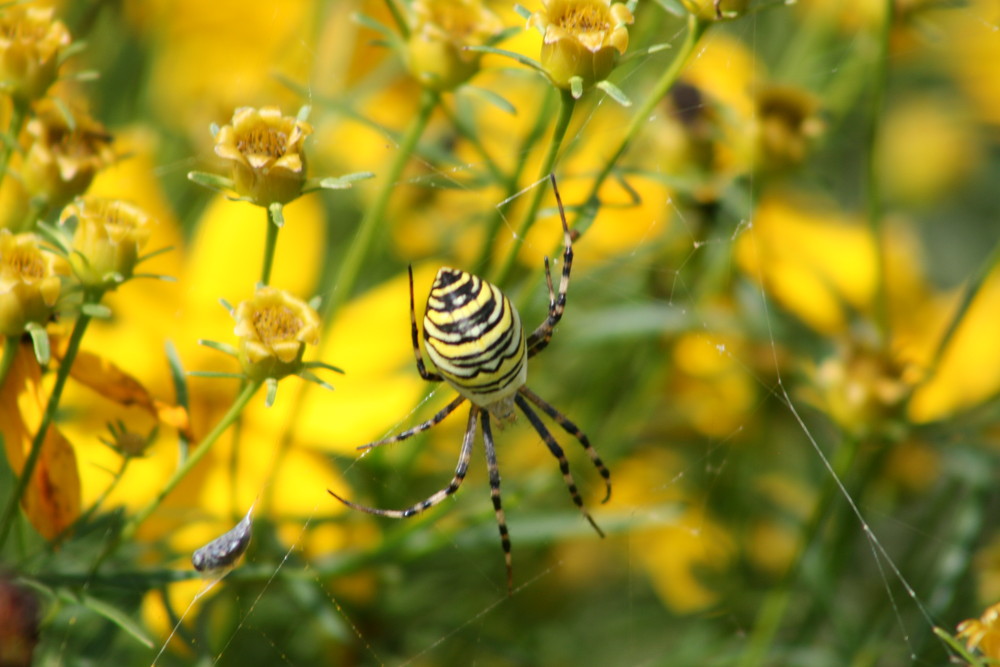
<point x="270" y="245"/>
<point x="10" y="347"/>
<point x="19" y="110"/>
<point x="6" y="519"/>
<point x="696" y="28"/>
<point x="360" y="248"/>
<point x="566" y="105"/>
<point x="484" y="262"/>
<point x="776" y="603"/>
<point x="83" y="518"/>
<point x="874" y="205"/>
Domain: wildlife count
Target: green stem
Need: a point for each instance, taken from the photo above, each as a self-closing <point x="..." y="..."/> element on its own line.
<point x="485" y="259"/>
<point x="83" y="518"/>
<point x="566" y="105"/>
<point x="350" y="268"/>
<point x="270" y="245"/>
<point x="6" y="519"/>
<point x="874" y="190"/>
<point x="696" y="28"/>
<point x="199" y="453"/>
<point x="776" y="602"/>
<point x="19" y="111"/>
<point x="10" y="346"/>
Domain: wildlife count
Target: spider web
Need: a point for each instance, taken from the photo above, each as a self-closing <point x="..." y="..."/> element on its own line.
<point x="417" y="630"/>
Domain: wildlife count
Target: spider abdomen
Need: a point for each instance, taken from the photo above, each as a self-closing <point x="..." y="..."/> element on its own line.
<point x="475" y="338"/>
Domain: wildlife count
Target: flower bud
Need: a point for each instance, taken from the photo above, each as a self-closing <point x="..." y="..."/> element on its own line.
<point x="62" y="159"/>
<point x="435" y="52"/>
<point x="581" y="38"/>
<point x="29" y="285"/>
<point x="109" y="236"/>
<point x="274" y="328"/>
<point x="266" y="152"/>
<point x="30" y="46"/>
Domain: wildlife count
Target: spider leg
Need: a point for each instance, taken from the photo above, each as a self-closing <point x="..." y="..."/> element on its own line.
<point x="419" y="428"/>
<point x="557" y="451"/>
<point x="494" y="474"/>
<point x="574" y="431"/>
<point x="541" y="336"/>
<point x="424" y="373"/>
<point x="434" y="499"/>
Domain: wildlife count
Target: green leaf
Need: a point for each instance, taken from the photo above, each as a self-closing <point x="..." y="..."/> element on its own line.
<point x="337" y="182"/>
<point x="277" y="214"/>
<point x="576" y="87"/>
<point x="225" y="348"/>
<point x="216" y="374"/>
<point x="493" y="98"/>
<point x="523" y="12"/>
<point x="323" y="364"/>
<point x="181" y="394"/>
<point x="524" y="60"/>
<point x="40" y="343"/>
<point x="614" y="92"/>
<point x="96" y="310"/>
<point x="113" y="614"/>
<point x="315" y="379"/>
<point x="212" y="181"/>
<point x="228" y="306"/>
<point x="272" y="391"/>
<point x="303" y="114"/>
<point x="379" y="27"/>
<point x="672" y="7"/>
<point x="155" y="253"/>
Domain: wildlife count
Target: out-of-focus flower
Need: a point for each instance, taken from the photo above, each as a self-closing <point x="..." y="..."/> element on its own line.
<point x="63" y="156"/>
<point x="19" y="611"/>
<point x="29" y="286"/>
<point x="436" y="53"/>
<point x="266" y="152"/>
<point x="128" y="443"/>
<point x="274" y="328"/>
<point x="712" y="10"/>
<point x="787" y="121"/>
<point x="983" y="633"/>
<point x="109" y="235"/>
<point x="30" y="45"/>
<point x="581" y="38"/>
<point x="51" y="500"/>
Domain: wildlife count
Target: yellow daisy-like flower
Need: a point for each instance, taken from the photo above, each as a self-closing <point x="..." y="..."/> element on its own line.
<point x="63" y="158"/>
<point x="983" y="633"/>
<point x="266" y="151"/>
<point x="30" y="46"/>
<point x="29" y="285"/>
<point x="109" y="235"/>
<point x="274" y="328"/>
<point x="582" y="38"/>
<point x="435" y="52"/>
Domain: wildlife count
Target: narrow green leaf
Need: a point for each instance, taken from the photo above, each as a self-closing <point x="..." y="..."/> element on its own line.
<point x="576" y="87"/>
<point x="323" y="364"/>
<point x="493" y="98"/>
<point x="212" y="181"/>
<point x="113" y="614"/>
<point x="315" y="379"/>
<point x="672" y="7"/>
<point x="225" y="348"/>
<point x="216" y="374"/>
<point x="96" y="310"/>
<point x="524" y="60"/>
<point x="615" y="93"/>
<point x="272" y="391"/>
<point x="40" y="343"/>
<point x="277" y="214"/>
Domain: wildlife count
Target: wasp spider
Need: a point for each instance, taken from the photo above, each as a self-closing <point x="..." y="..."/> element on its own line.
<point x="475" y="338"/>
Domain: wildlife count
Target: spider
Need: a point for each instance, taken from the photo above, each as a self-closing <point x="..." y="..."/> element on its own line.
<point x="474" y="336"/>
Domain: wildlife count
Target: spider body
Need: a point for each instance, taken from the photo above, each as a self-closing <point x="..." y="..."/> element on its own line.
<point x="474" y="336"/>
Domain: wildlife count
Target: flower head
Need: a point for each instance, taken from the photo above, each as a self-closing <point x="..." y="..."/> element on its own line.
<point x="582" y="38"/>
<point x="435" y="52"/>
<point x="29" y="285"/>
<point x="983" y="633"/>
<point x="787" y="123"/>
<point x="63" y="156"/>
<point x="274" y="328"/>
<point x="30" y="46"/>
<point x="109" y="235"/>
<point x="266" y="151"/>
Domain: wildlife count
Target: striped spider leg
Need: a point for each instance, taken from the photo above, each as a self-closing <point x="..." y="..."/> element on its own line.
<point x="475" y="339"/>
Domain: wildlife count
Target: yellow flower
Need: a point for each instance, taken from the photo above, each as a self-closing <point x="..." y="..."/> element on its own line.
<point x="582" y="38"/>
<point x="109" y="235"/>
<point x="435" y="52"/>
<point x="62" y="159"/>
<point x="711" y="10"/>
<point x="274" y="328"/>
<point x="266" y="151"/>
<point x="983" y="633"/>
<point x="29" y="286"/>
<point x="30" y="46"/>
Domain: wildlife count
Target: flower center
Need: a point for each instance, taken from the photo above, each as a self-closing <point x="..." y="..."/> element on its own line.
<point x="275" y="324"/>
<point x="26" y="264"/>
<point x="580" y="18"/>
<point x="263" y="140"/>
<point x="24" y="31"/>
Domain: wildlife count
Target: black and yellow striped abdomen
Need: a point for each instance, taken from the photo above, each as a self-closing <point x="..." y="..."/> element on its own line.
<point x="475" y="338"/>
